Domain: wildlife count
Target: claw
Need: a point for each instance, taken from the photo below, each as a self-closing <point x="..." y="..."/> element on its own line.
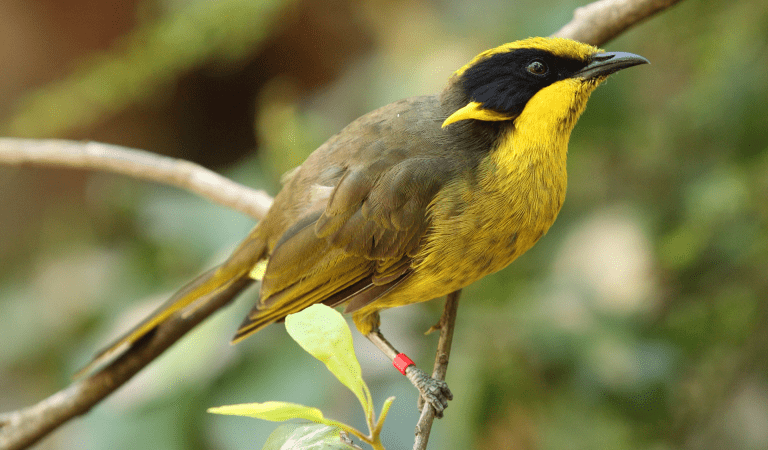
<point x="434" y="391"/>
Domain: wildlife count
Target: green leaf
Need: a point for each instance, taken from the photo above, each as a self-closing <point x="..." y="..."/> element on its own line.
<point x="306" y="437"/>
<point x="324" y="334"/>
<point x="384" y="411"/>
<point x="274" y="411"/>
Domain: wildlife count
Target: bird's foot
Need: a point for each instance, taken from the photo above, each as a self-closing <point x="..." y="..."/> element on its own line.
<point x="431" y="390"/>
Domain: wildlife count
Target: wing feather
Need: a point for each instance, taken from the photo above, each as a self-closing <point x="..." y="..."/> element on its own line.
<point x="358" y="239"/>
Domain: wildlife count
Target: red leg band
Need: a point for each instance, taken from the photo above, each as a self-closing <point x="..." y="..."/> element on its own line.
<point x="401" y="362"/>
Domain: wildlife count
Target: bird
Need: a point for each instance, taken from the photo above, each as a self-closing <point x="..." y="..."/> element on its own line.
<point x="416" y="199"/>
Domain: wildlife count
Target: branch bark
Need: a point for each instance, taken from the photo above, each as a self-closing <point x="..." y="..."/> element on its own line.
<point x="595" y="23"/>
<point x="446" y="325"/>
<point x="22" y="428"/>
<point x="138" y="164"/>
<point x="601" y="21"/>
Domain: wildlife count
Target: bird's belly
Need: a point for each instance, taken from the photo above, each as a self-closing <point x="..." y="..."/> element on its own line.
<point x="470" y="251"/>
<point x="465" y="258"/>
<point x="478" y="229"/>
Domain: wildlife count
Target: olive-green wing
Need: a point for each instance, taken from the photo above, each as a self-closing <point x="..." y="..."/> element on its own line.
<point x="358" y="243"/>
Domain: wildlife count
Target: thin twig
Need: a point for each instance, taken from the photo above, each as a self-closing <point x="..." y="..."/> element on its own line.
<point x="446" y="325"/>
<point x="137" y="164"/>
<point x="601" y="21"/>
<point x="595" y="23"/>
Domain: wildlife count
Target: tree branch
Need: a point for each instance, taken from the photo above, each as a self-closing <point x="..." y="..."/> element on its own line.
<point x="22" y="428"/>
<point x="595" y="23"/>
<point x="137" y="164"/>
<point x="601" y="21"/>
<point x="446" y="325"/>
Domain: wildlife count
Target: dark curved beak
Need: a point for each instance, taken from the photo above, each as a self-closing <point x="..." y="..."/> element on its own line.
<point x="606" y="63"/>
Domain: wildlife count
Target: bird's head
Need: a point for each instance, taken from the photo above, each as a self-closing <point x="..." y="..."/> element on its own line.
<point x="557" y="74"/>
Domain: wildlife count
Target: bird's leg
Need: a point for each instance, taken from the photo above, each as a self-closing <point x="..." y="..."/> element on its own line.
<point x="434" y="391"/>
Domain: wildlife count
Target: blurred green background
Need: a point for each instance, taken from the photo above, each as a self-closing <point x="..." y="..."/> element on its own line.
<point x="638" y="322"/>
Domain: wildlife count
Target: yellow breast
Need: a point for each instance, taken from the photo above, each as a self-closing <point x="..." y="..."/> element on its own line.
<point x="505" y="214"/>
<point x="521" y="190"/>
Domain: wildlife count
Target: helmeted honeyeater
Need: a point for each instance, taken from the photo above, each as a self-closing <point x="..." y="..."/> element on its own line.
<point x="418" y="198"/>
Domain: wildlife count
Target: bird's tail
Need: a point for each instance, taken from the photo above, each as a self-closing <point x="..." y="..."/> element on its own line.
<point x="190" y="297"/>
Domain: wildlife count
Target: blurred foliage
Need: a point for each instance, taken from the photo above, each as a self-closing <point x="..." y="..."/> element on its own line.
<point x="639" y="322"/>
<point x="146" y="62"/>
<point x="307" y="436"/>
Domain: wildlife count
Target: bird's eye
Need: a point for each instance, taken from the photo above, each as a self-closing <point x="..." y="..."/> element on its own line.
<point x="537" y="68"/>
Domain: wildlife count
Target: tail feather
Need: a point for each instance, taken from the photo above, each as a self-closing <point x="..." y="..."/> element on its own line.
<point x="188" y="299"/>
